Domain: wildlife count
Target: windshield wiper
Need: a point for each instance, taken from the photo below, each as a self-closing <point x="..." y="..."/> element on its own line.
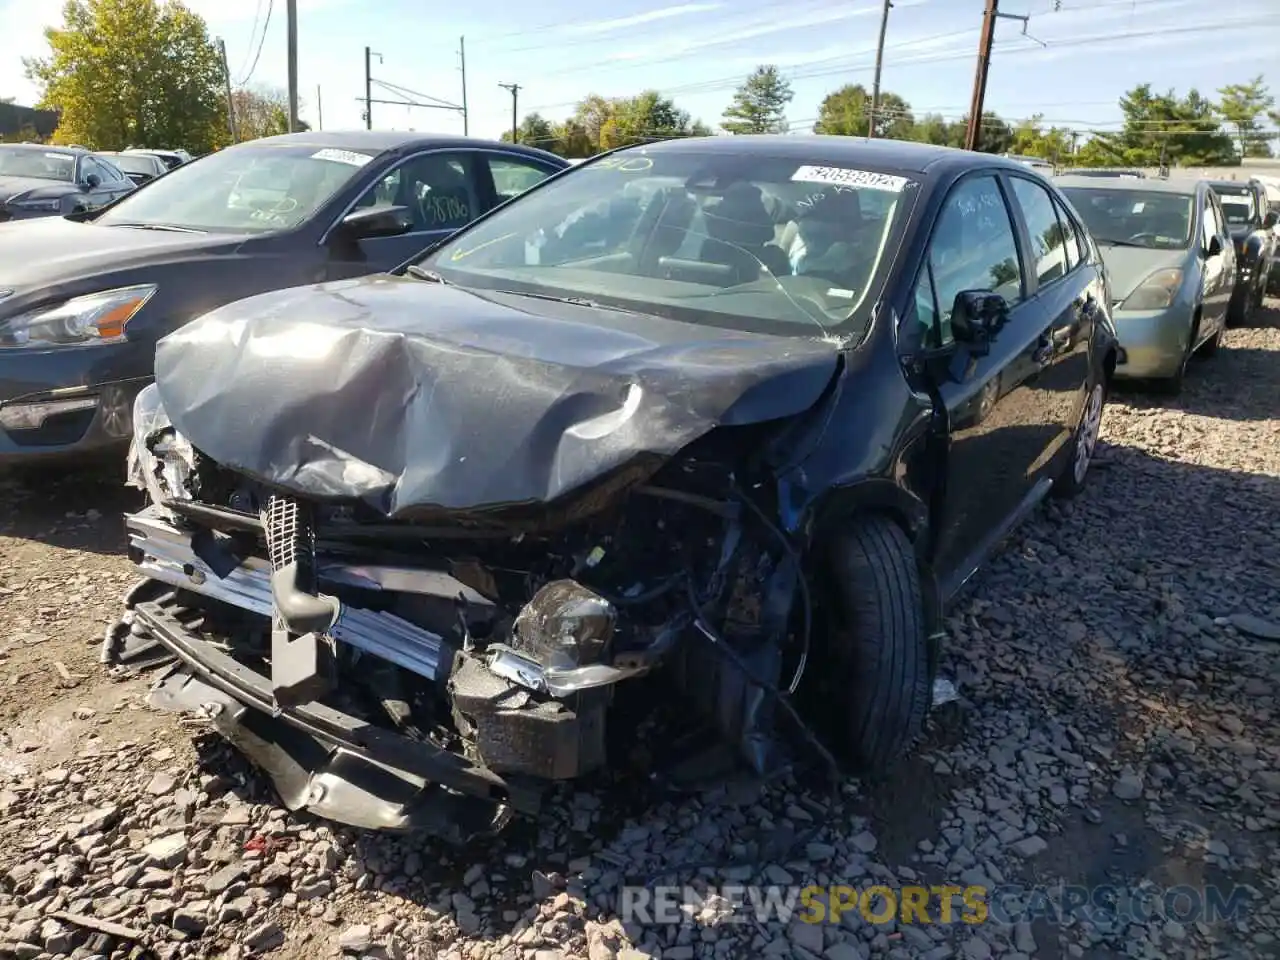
<point x="422" y="273"/>
<point x="575" y="301"/>
<point x="168" y="227"/>
<point x="1120" y="243"/>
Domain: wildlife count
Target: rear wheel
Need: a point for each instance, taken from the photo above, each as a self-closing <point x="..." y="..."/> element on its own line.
<point x="880" y="644"/>
<point x="1076" y="470"/>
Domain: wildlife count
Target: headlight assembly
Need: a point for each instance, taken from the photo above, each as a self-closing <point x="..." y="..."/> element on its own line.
<point x="92" y="318"/>
<point x="1156" y="292"/>
<point x="49" y="205"/>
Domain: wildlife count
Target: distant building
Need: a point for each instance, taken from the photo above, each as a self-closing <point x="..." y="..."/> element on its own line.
<point x="15" y="120"/>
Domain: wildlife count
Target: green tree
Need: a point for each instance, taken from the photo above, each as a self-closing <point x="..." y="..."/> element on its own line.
<point x="644" y="118"/>
<point x="1032" y="140"/>
<point x="572" y="140"/>
<point x="133" y="72"/>
<point x="1162" y="127"/>
<point x="994" y="134"/>
<point x="536" y="131"/>
<point x="760" y="104"/>
<point x="845" y="112"/>
<point x="1242" y="105"/>
<point x="933" y="128"/>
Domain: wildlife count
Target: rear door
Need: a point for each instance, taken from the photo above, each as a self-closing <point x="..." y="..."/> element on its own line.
<point x="502" y="176"/>
<point x="995" y="420"/>
<point x="1060" y="356"/>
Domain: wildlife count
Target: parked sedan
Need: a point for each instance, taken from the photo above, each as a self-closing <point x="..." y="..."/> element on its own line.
<point x="138" y="167"/>
<point x="41" y="181"/>
<point x="1168" y="250"/>
<point x="83" y="303"/>
<point x="1250" y="220"/>
<point x="170" y="158"/>
<point x="710" y="404"/>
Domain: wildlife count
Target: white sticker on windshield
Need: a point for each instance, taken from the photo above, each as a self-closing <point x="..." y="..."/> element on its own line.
<point x="1139" y="206"/>
<point x="56" y="156"/>
<point x="342" y="156"/>
<point x="844" y="176"/>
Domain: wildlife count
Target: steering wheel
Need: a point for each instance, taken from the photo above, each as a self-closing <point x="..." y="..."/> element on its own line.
<point x="1139" y="236"/>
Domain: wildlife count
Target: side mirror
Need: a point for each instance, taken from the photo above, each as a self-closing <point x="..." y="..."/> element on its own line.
<point x="92" y="181"/>
<point x="976" y="317"/>
<point x="1271" y="219"/>
<point x="376" y="221"/>
<point x="1215" y="246"/>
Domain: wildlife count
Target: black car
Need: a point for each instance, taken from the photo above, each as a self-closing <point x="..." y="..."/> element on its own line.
<point x="746" y="410"/>
<point x="138" y="167"/>
<point x="41" y="181"/>
<point x="82" y="303"/>
<point x="1250" y="220"/>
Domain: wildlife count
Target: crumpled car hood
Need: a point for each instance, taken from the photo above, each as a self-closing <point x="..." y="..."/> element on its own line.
<point x="415" y="397"/>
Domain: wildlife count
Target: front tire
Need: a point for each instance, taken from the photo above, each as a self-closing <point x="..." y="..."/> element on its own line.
<point x="880" y="645"/>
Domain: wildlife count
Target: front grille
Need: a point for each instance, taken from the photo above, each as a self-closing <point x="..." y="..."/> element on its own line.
<point x="291" y="536"/>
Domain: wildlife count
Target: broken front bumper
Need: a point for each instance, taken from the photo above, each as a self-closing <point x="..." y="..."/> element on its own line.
<point x="320" y="759"/>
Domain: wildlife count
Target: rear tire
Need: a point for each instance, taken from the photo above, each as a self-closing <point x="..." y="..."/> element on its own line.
<point x="880" y="646"/>
<point x="1083" y="444"/>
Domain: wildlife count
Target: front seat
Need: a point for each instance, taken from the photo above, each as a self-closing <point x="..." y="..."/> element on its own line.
<point x="441" y="199"/>
<point x="740" y="231"/>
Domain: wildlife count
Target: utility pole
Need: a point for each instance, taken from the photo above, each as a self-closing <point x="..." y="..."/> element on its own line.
<point x="319" y="110"/>
<point x="462" y="58"/>
<point x="368" y="86"/>
<point x="515" y="116"/>
<point x="291" y="17"/>
<point x="875" y="84"/>
<point x="231" y="104"/>
<point x="971" y="137"/>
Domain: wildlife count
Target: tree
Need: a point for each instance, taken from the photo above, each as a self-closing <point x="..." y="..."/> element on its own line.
<point x="1241" y="105"/>
<point x="1030" y="139"/>
<point x="642" y="119"/>
<point x="1166" y="128"/>
<point x="933" y="128"/>
<point x="760" y="104"/>
<point x="133" y="73"/>
<point x="535" y="130"/>
<point x="261" y="112"/>
<point x="994" y="133"/>
<point x="844" y="112"/>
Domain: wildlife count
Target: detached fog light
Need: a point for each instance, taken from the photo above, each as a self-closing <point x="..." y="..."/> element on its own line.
<point x="564" y="626"/>
<point x="31" y="416"/>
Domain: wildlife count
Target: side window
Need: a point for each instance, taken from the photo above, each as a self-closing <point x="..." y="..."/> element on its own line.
<point x="1071" y="236"/>
<point x="1047" y="240"/>
<point x="436" y="188"/>
<point x="1219" y="218"/>
<point x="512" y="177"/>
<point x="113" y="172"/>
<point x="972" y="248"/>
<point x="90" y="166"/>
<point x="1209" y="226"/>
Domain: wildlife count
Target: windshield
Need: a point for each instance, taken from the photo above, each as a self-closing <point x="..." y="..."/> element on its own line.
<point x="132" y="163"/>
<point x="245" y="189"/>
<point x="1135" y="218"/>
<point x="744" y="241"/>
<point x="1237" y="205"/>
<point x="37" y="164"/>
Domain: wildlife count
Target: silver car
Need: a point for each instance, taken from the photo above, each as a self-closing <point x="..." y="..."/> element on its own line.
<point x="1168" y="250"/>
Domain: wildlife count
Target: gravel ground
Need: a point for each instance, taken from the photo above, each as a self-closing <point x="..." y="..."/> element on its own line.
<point x="1117" y="726"/>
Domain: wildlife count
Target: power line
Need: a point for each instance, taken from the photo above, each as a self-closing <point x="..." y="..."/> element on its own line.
<point x="253" y="32"/>
<point x="846" y="68"/>
<point x="265" y="24"/>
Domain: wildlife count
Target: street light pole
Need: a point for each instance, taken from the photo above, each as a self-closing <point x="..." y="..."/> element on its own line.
<point x="875" y="83"/>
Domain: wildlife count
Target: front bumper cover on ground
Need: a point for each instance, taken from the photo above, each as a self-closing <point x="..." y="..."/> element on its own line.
<point x="319" y="758"/>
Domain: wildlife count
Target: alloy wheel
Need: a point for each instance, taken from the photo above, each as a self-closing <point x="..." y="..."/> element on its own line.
<point x="1090" y="428"/>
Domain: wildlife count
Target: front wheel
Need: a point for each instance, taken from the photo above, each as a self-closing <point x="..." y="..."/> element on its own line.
<point x="880" y="647"/>
<point x="1085" y="441"/>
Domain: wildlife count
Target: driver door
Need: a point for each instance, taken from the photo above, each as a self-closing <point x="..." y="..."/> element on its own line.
<point x="438" y="189"/>
<point x="996" y="434"/>
<point x="1219" y="269"/>
<point x="99" y="193"/>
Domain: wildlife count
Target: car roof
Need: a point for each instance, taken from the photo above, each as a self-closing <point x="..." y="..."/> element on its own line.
<point x="46" y="148"/>
<point x="1185" y="187"/>
<point x="1242" y="184"/>
<point x="385" y="140"/>
<point x="923" y="158"/>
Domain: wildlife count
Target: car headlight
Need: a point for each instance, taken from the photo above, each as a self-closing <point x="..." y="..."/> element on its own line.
<point x="1156" y="292"/>
<point x="160" y="460"/>
<point x="92" y="318"/>
<point x="36" y="204"/>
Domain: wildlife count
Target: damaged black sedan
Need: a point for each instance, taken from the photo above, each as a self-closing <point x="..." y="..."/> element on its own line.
<point x="741" y="412"/>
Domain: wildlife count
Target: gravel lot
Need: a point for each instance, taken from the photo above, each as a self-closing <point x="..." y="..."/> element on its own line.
<point x="1117" y="724"/>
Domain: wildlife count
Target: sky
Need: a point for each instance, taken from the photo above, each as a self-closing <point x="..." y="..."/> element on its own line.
<point x="1071" y="65"/>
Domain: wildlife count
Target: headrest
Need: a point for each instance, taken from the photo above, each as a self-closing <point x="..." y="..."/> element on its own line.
<point x="740" y="217"/>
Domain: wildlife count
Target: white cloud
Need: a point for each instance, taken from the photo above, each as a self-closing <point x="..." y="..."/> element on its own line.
<point x="635" y="20"/>
<point x="671" y="48"/>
